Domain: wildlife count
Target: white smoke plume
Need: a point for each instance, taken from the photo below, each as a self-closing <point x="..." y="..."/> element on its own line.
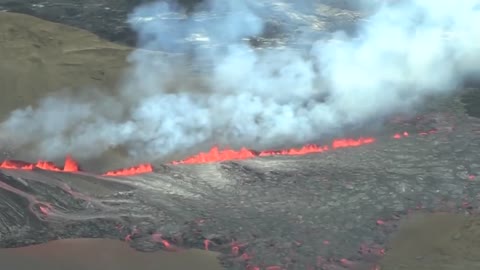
<point x="214" y="88"/>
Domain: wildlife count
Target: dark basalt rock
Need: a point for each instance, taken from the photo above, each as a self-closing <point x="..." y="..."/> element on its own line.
<point x="286" y="211"/>
<point x="471" y="99"/>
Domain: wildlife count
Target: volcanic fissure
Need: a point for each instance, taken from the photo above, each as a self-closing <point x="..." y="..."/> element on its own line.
<point x="214" y="155"/>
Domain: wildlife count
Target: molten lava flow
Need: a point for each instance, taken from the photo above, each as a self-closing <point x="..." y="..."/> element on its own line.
<point x="216" y="155"/>
<point x="343" y="143"/>
<point x="70" y="165"/>
<point x="139" y="169"/>
<point x="47" y="166"/>
<point x="16" y="165"/>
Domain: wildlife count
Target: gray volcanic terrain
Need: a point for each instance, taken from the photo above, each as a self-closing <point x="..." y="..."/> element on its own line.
<point x="289" y="211"/>
<point x="339" y="209"/>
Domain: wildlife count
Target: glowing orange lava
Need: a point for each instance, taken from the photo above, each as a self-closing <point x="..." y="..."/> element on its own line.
<point x="344" y="143"/>
<point x="16" y="165"/>
<point x="47" y="165"/>
<point x="70" y="165"/>
<point x="139" y="169"/>
<point x="214" y="155"/>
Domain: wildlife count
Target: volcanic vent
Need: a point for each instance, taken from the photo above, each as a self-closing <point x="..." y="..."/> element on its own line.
<point x="312" y="207"/>
<point x="214" y="155"/>
<point x="291" y="208"/>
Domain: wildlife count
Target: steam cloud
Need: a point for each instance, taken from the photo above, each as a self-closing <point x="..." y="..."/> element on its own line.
<point x="217" y="89"/>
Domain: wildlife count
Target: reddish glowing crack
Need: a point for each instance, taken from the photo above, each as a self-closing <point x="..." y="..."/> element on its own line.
<point x="70" y="165"/>
<point x="139" y="169"/>
<point x="214" y="155"/>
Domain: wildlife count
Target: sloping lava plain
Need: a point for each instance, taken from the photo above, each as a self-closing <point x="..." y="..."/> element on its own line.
<point x="329" y="210"/>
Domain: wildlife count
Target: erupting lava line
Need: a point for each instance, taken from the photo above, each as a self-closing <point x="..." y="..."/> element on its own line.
<point x="47" y="166"/>
<point x="216" y="155"/>
<point x="16" y="165"/>
<point x="139" y="169"/>
<point x="344" y="143"/>
<point x="70" y="165"/>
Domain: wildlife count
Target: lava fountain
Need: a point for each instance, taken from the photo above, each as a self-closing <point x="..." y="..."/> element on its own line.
<point x="215" y="154"/>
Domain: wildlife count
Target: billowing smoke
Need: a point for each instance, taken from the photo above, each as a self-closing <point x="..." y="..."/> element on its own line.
<point x="208" y="85"/>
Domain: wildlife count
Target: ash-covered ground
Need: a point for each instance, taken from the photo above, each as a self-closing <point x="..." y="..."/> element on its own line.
<point x="320" y="211"/>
